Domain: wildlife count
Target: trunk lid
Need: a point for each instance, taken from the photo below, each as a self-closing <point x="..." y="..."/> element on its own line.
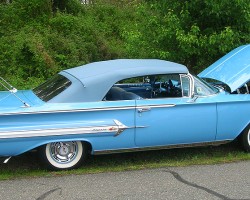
<point x="9" y="100"/>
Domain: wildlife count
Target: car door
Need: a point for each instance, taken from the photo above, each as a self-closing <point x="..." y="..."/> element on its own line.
<point x="175" y="119"/>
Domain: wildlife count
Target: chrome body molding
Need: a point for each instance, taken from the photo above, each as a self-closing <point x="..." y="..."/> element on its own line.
<point x="156" y="106"/>
<point x="120" y="127"/>
<point x="100" y="152"/>
<point x="117" y="128"/>
<point x="70" y="110"/>
<point x="86" y="109"/>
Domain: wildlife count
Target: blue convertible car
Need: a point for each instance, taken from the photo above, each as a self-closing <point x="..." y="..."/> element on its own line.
<point x="127" y="105"/>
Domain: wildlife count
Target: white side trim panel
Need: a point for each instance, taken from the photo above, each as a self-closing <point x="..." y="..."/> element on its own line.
<point x="117" y="128"/>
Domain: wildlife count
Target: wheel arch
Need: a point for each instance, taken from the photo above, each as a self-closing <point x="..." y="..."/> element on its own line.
<point x="88" y="145"/>
<point x="242" y="131"/>
<point x="26" y="145"/>
<point x="85" y="142"/>
<point x="244" y="138"/>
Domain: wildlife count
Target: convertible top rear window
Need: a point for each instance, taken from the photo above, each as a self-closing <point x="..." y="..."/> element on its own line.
<point x="52" y="87"/>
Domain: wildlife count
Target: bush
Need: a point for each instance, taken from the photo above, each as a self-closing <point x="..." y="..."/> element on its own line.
<point x="40" y="38"/>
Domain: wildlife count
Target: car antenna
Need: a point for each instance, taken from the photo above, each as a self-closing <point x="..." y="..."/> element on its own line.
<point x="12" y="90"/>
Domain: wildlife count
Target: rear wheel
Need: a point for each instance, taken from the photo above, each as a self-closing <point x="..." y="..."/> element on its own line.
<point x="63" y="155"/>
<point x="245" y="139"/>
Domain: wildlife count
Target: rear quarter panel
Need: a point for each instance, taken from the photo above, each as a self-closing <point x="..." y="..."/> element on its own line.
<point x="63" y="117"/>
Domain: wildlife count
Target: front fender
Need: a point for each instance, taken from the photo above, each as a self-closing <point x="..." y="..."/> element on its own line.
<point x="233" y="118"/>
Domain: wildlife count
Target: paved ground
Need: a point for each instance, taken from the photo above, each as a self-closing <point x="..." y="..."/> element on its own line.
<point x="227" y="181"/>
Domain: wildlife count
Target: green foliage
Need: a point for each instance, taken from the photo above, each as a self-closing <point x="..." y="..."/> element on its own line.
<point x="194" y="33"/>
<point x="40" y="42"/>
<point x="40" y="38"/>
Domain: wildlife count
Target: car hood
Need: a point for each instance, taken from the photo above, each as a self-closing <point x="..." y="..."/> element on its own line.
<point x="232" y="69"/>
<point x="10" y="100"/>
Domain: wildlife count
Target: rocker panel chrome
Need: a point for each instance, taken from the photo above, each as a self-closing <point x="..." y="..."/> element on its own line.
<point x="216" y="143"/>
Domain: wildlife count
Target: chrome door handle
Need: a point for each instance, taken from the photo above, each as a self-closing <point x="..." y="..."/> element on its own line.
<point x="143" y="109"/>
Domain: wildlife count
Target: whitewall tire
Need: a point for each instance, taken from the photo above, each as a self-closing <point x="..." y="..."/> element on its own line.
<point x="245" y="139"/>
<point x="63" y="155"/>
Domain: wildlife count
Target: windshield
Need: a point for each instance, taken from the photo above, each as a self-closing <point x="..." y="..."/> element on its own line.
<point x="52" y="87"/>
<point x="202" y="88"/>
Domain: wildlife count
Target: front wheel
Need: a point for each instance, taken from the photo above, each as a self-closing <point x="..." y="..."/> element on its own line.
<point x="245" y="139"/>
<point x="63" y="155"/>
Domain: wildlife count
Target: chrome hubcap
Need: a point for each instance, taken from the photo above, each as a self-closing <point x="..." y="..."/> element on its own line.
<point x="63" y="152"/>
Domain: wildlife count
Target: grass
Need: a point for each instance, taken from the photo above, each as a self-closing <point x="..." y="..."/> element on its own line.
<point x="28" y="166"/>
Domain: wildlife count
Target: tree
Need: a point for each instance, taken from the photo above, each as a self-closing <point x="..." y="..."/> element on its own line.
<point x="194" y="33"/>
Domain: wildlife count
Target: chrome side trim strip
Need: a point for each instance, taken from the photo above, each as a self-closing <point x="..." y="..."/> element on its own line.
<point x="162" y="106"/>
<point x="118" y="128"/>
<point x="100" y="152"/>
<point x="121" y="127"/>
<point x="86" y="110"/>
<point x="156" y="106"/>
<point x="57" y="132"/>
<point x="71" y="110"/>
